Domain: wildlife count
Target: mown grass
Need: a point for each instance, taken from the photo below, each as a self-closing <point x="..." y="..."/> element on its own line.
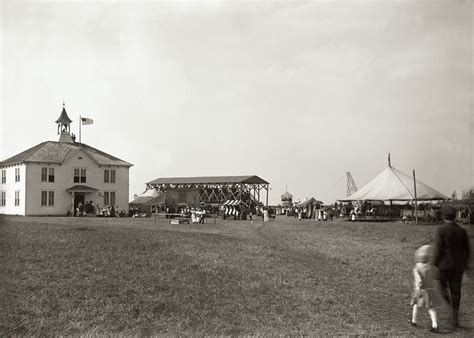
<point x="133" y="277"/>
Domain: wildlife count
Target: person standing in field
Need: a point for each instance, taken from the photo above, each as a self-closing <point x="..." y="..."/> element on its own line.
<point x="425" y="294"/>
<point x="451" y="257"/>
<point x="266" y="216"/>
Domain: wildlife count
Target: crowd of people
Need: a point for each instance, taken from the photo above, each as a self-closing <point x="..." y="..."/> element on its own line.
<point x="321" y="214"/>
<point x="196" y="215"/>
<point x="89" y="209"/>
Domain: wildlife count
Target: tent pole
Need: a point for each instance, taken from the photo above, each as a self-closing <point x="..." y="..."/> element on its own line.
<point x="416" y="202"/>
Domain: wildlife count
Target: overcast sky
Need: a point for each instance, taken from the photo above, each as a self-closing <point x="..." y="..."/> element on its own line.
<point x="297" y="93"/>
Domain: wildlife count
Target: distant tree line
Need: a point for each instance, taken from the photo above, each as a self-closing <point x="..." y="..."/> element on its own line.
<point x="466" y="195"/>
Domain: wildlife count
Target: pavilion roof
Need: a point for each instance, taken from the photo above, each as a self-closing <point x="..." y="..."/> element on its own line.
<point x="251" y="179"/>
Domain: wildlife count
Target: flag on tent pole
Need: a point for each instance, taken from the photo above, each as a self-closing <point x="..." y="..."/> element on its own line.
<point x="85" y="121"/>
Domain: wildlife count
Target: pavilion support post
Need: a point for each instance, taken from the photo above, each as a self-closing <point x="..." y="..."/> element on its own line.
<point x="72" y="204"/>
<point x="266" y="188"/>
<point x="416" y="201"/>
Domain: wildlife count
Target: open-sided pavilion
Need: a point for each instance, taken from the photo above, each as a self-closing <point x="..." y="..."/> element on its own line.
<point x="214" y="189"/>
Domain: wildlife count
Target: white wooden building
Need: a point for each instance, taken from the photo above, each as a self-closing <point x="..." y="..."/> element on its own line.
<point x="52" y="178"/>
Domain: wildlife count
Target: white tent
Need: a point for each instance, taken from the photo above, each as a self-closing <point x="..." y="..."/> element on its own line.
<point x="394" y="185"/>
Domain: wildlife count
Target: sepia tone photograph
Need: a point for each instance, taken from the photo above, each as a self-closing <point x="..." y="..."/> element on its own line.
<point x="236" y="168"/>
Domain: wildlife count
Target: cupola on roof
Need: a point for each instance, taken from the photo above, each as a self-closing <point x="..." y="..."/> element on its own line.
<point x="63" y="118"/>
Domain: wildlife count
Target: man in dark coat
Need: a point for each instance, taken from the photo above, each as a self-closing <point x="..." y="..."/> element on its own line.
<point x="451" y="257"/>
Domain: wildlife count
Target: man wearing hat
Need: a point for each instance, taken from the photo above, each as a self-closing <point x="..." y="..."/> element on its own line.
<point x="451" y="257"/>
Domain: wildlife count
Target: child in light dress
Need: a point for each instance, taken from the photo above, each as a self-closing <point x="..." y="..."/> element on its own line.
<point x="425" y="293"/>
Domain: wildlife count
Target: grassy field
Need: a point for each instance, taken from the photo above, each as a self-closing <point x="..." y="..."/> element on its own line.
<point x="130" y="276"/>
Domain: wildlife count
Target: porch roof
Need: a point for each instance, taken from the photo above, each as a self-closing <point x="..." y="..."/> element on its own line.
<point x="81" y="188"/>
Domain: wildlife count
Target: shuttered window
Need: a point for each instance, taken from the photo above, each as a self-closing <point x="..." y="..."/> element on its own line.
<point x="44" y="198"/>
<point x="51" y="175"/>
<point x="50" y="198"/>
<point x="47" y="198"/>
<point x="44" y="174"/>
<point x="17" y="198"/>
<point x="109" y="197"/>
<point x="79" y="175"/>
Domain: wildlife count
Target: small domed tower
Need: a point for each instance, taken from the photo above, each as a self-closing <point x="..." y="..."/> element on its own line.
<point x="287" y="200"/>
<point x="64" y="128"/>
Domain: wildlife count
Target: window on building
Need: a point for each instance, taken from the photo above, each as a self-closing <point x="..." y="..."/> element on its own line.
<point x="44" y="174"/>
<point x="17" y="174"/>
<point x="4" y="176"/>
<point x="109" y="176"/>
<point x="47" y="198"/>
<point x="50" y="198"/>
<point x="44" y="198"/>
<point x="51" y="175"/>
<point x="17" y="198"/>
<point x="79" y="175"/>
<point x="109" y="197"/>
<point x="3" y="201"/>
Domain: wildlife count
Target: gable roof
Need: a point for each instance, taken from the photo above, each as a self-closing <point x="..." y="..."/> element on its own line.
<point x="160" y="199"/>
<point x="57" y="152"/>
<point x="392" y="184"/>
<point x="141" y="200"/>
<point x="253" y="179"/>
<point x="147" y="196"/>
